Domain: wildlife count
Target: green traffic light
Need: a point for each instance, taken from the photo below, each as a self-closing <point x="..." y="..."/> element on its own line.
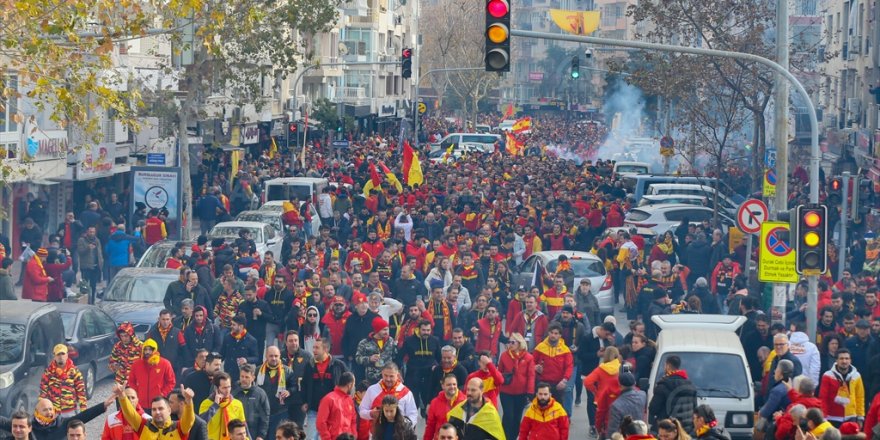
<point x="575" y="74"/>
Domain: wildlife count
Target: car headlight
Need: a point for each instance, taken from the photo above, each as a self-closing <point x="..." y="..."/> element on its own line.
<point x="6" y="380"/>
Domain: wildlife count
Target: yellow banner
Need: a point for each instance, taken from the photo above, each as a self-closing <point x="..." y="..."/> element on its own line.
<point x="576" y="22"/>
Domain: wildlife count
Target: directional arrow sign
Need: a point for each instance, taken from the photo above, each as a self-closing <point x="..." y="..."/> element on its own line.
<point x="750" y="215"/>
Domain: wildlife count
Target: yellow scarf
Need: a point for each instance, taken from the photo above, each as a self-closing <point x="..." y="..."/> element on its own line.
<point x="40" y="265"/>
<point x="154" y="358"/>
<point x="563" y="266"/>
<point x="666" y="246"/>
<point x="43" y="420"/>
<point x="278" y="370"/>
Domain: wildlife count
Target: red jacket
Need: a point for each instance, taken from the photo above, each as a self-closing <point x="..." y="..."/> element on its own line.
<point x="492" y="379"/>
<point x="437" y="411"/>
<point x="727" y="272"/>
<point x="336" y="415"/>
<point x="523" y="369"/>
<point x="550" y="422"/>
<point x="36" y="282"/>
<point x="558" y="362"/>
<point x="486" y="340"/>
<point x="56" y="287"/>
<point x="151" y="381"/>
<point x="872" y="418"/>
<point x="538" y="328"/>
<point x="785" y="428"/>
<point x="336" y="327"/>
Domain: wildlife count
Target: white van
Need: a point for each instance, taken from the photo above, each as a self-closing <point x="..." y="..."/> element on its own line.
<point x="304" y="188"/>
<point x="715" y="361"/>
<point x="724" y="202"/>
<point x="483" y="142"/>
<point x="630" y="168"/>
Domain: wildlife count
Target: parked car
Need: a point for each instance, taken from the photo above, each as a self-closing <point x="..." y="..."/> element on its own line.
<point x="584" y="265"/>
<point x="648" y="234"/>
<point x="135" y="294"/>
<point x="28" y="332"/>
<point x="90" y="334"/>
<point x="157" y="254"/>
<point x="662" y="218"/>
<point x="271" y="218"/>
<point x="687" y="199"/>
<point x="263" y="235"/>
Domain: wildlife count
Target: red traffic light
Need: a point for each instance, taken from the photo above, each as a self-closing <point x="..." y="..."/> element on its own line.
<point x="497" y="8"/>
<point x="407" y="53"/>
<point x="835" y="184"/>
<point x="812" y="219"/>
<point x="292" y="128"/>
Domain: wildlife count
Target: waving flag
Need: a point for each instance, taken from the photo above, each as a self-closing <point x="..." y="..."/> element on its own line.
<point x="392" y="179"/>
<point x="273" y="150"/>
<point x="448" y="153"/>
<point x="374" y="182"/>
<point x="508" y="113"/>
<point x="522" y="125"/>
<point x="412" y="167"/>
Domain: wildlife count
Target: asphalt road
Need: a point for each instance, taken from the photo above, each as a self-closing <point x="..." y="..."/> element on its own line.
<point x="579" y="425"/>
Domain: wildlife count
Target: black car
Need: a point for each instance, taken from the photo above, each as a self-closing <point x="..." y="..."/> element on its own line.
<point x="135" y="295"/>
<point x="28" y="332"/>
<point x="90" y="334"/>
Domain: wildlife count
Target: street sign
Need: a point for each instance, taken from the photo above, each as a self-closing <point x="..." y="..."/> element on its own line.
<point x="340" y="144"/>
<point x="769" y="189"/>
<point x="667" y="142"/>
<point x="156" y="159"/>
<point x="422" y="108"/>
<point x="750" y="215"/>
<point x="776" y="258"/>
<point x="770" y="158"/>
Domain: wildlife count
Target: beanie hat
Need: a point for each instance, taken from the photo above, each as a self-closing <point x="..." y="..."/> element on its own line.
<point x="42" y="252"/>
<point x="568" y="308"/>
<point x="626" y="379"/>
<point x="358" y="298"/>
<point x="379" y="324"/>
<point x="660" y="294"/>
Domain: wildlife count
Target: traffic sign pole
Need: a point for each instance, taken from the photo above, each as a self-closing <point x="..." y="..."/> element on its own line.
<point x="841" y="243"/>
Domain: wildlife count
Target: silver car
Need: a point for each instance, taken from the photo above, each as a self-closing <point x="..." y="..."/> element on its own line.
<point x="584" y="265"/>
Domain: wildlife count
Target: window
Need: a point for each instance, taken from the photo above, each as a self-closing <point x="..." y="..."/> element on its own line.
<point x="9" y="150"/>
<point x="8" y="104"/>
<point x="703" y="367"/>
<point x="106" y="326"/>
<point x="88" y="328"/>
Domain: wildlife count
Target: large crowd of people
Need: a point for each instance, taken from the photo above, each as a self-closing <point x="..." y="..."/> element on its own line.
<point x="403" y="307"/>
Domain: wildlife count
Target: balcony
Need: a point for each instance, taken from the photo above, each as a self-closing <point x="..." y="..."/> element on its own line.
<point x="354" y="95"/>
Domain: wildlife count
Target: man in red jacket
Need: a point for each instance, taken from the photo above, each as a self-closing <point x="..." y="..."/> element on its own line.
<point x="440" y="406"/>
<point x="554" y="362"/>
<point x="803" y="395"/>
<point x="545" y="418"/>
<point x="491" y="377"/>
<point x="336" y="412"/>
<point x="151" y="375"/>
<point x="531" y="322"/>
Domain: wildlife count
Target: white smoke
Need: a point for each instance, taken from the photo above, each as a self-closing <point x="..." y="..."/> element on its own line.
<point x="626" y="107"/>
<point x="565" y="154"/>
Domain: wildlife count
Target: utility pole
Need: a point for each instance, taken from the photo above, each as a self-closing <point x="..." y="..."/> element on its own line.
<point x="845" y="178"/>
<point x="780" y="108"/>
<point x="813" y="280"/>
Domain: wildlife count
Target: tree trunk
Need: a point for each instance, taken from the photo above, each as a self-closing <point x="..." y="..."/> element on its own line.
<point x="758" y="147"/>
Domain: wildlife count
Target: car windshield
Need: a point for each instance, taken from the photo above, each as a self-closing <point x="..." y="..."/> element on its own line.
<point x="641" y="169"/>
<point x="137" y="289"/>
<point x="68" y="320"/>
<point x="272" y="208"/>
<point x="285" y="192"/>
<point x="582" y="268"/>
<point x="232" y="231"/>
<point x="11" y="343"/>
<point x="155" y="256"/>
<point x="269" y="219"/>
<point x="702" y="370"/>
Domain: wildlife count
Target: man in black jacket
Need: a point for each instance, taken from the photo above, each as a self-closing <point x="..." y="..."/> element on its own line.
<point x="187" y="286"/>
<point x="320" y="378"/>
<point x="358" y="325"/>
<point x="295" y="358"/>
<point x="257" y="312"/>
<point x="407" y="289"/>
<point x="51" y="426"/>
<point x="201" y="381"/>
<point x="698" y="258"/>
<point x="255" y="402"/>
<point x="172" y="345"/>
<point x="201" y="334"/>
<point x="280" y="299"/>
<point x="674" y="396"/>
<point x="278" y="383"/>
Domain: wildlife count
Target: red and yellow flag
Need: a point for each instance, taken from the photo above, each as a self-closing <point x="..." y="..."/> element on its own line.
<point x="412" y="167"/>
<point x="374" y="182"/>
<point x="522" y="125"/>
<point x="392" y="179"/>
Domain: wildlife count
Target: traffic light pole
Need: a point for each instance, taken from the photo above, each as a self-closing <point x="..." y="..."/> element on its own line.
<point x="415" y="103"/>
<point x="841" y="263"/>
<point x="813" y="280"/>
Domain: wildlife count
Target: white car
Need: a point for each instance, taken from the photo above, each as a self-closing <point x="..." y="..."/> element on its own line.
<point x="276" y="206"/>
<point x="263" y="235"/>
<point x="584" y="265"/>
<point x="662" y="218"/>
<point x="687" y="199"/>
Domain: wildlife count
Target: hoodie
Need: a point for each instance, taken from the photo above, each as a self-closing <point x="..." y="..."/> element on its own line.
<point x="806" y="352"/>
<point x="603" y="383"/>
<point x="151" y="377"/>
<point x="698" y="255"/>
<point x="307" y="335"/>
<point x="117" y="248"/>
<point x="123" y="355"/>
<point x="842" y="395"/>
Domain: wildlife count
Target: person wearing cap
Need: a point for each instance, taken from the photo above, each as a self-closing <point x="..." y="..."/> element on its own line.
<point x="360" y="323"/>
<point x="334" y="322"/>
<point x="63" y="384"/>
<point x="376" y="350"/>
<point x="860" y="344"/>
<point x="630" y="402"/>
<point x="35" y="285"/>
<point x="151" y="375"/>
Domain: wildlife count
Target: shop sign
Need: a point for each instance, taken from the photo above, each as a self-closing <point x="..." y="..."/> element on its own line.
<point x="250" y="134"/>
<point x="96" y="160"/>
<point x="46" y="145"/>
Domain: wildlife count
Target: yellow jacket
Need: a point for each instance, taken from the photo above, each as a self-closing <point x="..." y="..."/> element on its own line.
<point x="217" y="423"/>
<point x="147" y="430"/>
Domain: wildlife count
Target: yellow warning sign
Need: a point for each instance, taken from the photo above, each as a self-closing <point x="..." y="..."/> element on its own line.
<point x="769" y="187"/>
<point x="776" y="258"/>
